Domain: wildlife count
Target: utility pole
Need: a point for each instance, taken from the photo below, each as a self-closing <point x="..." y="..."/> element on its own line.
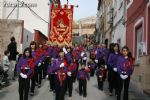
<point x="18" y="10"/>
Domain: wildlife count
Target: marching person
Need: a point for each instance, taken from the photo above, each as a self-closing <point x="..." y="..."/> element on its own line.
<point x="82" y="77"/>
<point x="76" y="56"/>
<point x="51" y="75"/>
<point x="111" y="50"/>
<point x="101" y="75"/>
<point x="125" y="70"/>
<point x="39" y="63"/>
<point x="92" y="52"/>
<point x="98" y="53"/>
<point x="45" y="61"/>
<point x="75" y="65"/>
<point x="71" y="66"/>
<point x="112" y="63"/>
<point x="92" y="67"/>
<point x="25" y="70"/>
<point x="34" y="78"/>
<point x="83" y="56"/>
<point x="60" y="69"/>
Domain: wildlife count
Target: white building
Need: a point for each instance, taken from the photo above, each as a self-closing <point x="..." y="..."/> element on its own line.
<point x="119" y="28"/>
<point x="34" y="13"/>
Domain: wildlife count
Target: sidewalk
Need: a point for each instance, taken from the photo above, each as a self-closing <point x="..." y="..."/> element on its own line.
<point x="135" y="94"/>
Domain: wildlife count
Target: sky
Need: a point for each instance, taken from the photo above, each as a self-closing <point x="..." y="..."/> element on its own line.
<point x="86" y="8"/>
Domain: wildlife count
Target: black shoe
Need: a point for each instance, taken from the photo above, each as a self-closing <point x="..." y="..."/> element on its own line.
<point x="50" y="90"/>
<point x="110" y="94"/>
<point x="54" y="91"/>
<point x="70" y="95"/>
<point x="13" y="79"/>
<point x="32" y="93"/>
<point x="84" y="96"/>
<point x="80" y="94"/>
<point x="39" y="85"/>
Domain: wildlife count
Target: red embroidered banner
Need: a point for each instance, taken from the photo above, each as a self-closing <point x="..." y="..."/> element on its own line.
<point x="61" y="20"/>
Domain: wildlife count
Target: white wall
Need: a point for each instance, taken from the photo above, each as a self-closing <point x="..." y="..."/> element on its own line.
<point x="31" y="21"/>
<point x="27" y="38"/>
<point x="119" y="32"/>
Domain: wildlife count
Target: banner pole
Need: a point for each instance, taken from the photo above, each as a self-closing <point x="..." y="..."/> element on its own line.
<point x="67" y="2"/>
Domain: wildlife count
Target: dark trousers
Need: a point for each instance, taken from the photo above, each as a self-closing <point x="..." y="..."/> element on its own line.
<point x="75" y="75"/>
<point x="70" y="85"/>
<point x="113" y="81"/>
<point x="123" y="84"/>
<point x="24" y="85"/>
<point x="83" y="87"/>
<point x="52" y="81"/>
<point x="44" y="70"/>
<point x="100" y="83"/>
<point x="34" y="79"/>
<point x="92" y="71"/>
<point x="39" y="74"/>
<point x="60" y="89"/>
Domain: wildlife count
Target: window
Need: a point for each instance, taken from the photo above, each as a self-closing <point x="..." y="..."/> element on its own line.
<point x="140" y="45"/>
<point x="27" y="38"/>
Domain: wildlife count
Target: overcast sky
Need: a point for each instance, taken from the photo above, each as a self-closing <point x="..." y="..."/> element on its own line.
<point x="86" y="8"/>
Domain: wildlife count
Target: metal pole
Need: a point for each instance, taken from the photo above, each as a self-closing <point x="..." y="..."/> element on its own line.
<point x="67" y="2"/>
<point x="18" y="10"/>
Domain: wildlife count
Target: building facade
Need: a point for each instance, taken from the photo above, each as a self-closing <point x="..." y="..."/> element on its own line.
<point x="130" y="26"/>
<point x="138" y="40"/>
<point x="104" y="22"/>
<point x="35" y="13"/>
<point x="119" y="25"/>
<point x="85" y="26"/>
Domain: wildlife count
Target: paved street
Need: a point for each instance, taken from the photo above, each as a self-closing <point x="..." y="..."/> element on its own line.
<point x="11" y="92"/>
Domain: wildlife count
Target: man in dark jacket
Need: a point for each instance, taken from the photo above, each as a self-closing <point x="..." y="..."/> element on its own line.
<point x="12" y="48"/>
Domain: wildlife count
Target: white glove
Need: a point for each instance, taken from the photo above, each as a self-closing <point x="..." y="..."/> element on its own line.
<point x="25" y="76"/>
<point x="64" y="50"/>
<point x="105" y="66"/>
<point x="89" y="66"/>
<point x="96" y="61"/>
<point x="100" y="76"/>
<point x="122" y="77"/>
<point x="115" y="69"/>
<point x="82" y="53"/>
<point x="95" y="52"/>
<point x="39" y="64"/>
<point x="62" y="65"/>
<point x="84" y="58"/>
<point x="125" y="76"/>
<point x="52" y="59"/>
<point x="47" y="76"/>
<point x="69" y="73"/>
<point x="21" y="74"/>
